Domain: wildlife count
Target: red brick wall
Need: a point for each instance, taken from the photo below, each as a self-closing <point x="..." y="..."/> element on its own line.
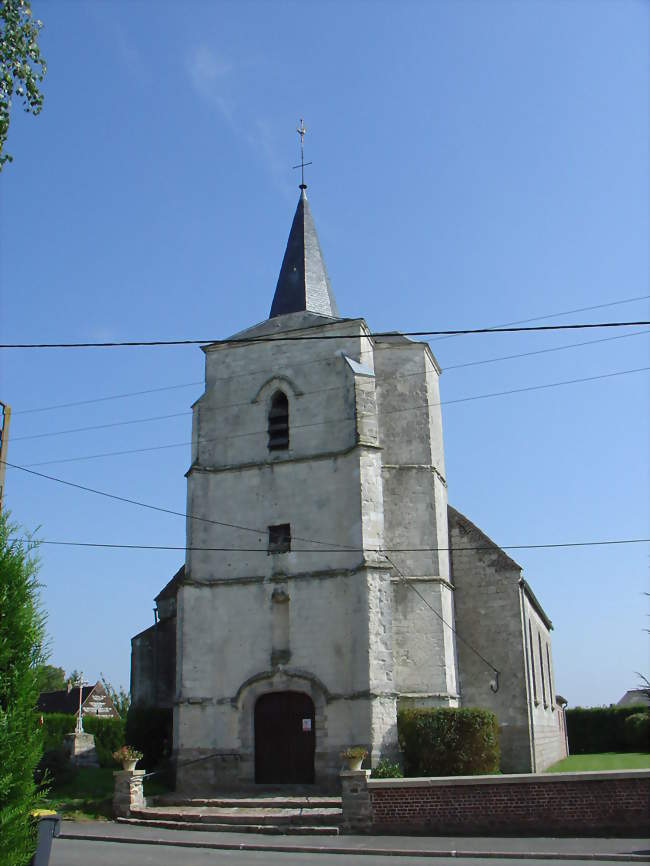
<point x="563" y="804"/>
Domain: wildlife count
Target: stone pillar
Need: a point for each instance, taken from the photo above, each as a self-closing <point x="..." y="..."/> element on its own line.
<point x="127" y="793"/>
<point x="355" y="801"/>
<point x="80" y="748"/>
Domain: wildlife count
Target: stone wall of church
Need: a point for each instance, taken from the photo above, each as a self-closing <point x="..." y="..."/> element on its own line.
<point x="498" y="615"/>
<point x="488" y="615"/>
<point x="415" y="522"/>
<point x="343" y="662"/>
<point x="153" y="665"/>
<point x="549" y="742"/>
<point x="315" y="619"/>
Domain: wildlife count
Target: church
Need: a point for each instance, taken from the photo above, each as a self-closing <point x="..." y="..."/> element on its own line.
<point x="327" y="582"/>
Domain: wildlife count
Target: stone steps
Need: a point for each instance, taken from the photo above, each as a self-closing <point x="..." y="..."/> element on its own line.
<point x="206" y="827"/>
<point x="243" y="814"/>
<point x="266" y="801"/>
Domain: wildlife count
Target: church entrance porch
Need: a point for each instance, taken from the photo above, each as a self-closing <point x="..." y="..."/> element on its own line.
<point x="285" y="740"/>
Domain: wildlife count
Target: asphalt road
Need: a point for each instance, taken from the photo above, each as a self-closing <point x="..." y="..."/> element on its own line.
<point x="73" y="852"/>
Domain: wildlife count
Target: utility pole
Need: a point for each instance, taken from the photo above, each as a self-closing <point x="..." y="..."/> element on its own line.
<point x="4" y="442"/>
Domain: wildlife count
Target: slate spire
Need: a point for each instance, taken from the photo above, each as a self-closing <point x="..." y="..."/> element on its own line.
<point x="303" y="283"/>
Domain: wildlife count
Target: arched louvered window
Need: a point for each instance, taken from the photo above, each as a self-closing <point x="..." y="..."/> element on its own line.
<point x="279" y="422"/>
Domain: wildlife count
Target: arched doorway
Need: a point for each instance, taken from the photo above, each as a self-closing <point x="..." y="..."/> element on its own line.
<point x="285" y="739"/>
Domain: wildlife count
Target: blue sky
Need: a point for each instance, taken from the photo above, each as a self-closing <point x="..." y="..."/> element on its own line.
<point x="474" y="163"/>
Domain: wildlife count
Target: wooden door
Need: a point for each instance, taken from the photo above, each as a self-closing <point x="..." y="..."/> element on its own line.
<point x="284" y="739"/>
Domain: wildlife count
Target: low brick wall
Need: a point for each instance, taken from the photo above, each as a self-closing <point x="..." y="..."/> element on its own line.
<point x="580" y="804"/>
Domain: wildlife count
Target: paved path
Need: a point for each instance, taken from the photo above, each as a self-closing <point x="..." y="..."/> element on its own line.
<point x="97" y="840"/>
<point x="67" y="852"/>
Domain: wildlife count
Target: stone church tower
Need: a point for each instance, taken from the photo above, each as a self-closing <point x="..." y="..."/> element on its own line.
<point x="316" y="595"/>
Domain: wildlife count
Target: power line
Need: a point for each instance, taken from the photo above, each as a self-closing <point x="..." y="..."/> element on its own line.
<point x="471" y="398"/>
<point x="156" y="507"/>
<point x="336" y="548"/>
<point x="339" y="548"/>
<point x="542" y="351"/>
<point x="571" y="312"/>
<point x="122" y="396"/>
<point x="440" y="617"/>
<point x="445" y="369"/>
<point x="385" y="550"/>
<point x="289" y="337"/>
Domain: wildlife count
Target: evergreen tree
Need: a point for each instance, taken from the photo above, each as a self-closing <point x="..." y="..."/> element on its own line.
<point x="21" y="652"/>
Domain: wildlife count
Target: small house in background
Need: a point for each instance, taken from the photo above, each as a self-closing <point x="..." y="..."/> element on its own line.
<point x="634" y="697"/>
<point x="94" y="702"/>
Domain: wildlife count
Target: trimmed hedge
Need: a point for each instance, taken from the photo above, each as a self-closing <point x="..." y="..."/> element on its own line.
<point x="448" y="742"/>
<point x="150" y="729"/>
<point x="109" y="736"/>
<point x="108" y="733"/>
<point x="637" y="732"/>
<point x="599" y="729"/>
<point x="55" y="727"/>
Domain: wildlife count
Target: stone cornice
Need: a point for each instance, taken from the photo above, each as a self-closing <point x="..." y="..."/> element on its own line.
<point x="239" y="467"/>
<point x="428" y="466"/>
<point x="424" y="579"/>
<point x="281" y="577"/>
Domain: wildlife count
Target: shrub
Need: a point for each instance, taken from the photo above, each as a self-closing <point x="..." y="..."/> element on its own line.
<point x="386" y="769"/>
<point x="599" y="729"/>
<point x="55" y="768"/>
<point x="22" y="632"/>
<point x="108" y="733"/>
<point x="448" y="742"/>
<point x="149" y="729"/>
<point x="637" y="732"/>
<point x="109" y="736"/>
<point x="55" y="727"/>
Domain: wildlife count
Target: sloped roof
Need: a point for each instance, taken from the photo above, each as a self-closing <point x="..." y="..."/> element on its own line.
<point x="171" y="588"/>
<point x="303" y="283"/>
<point x="63" y="701"/>
<point x="459" y="519"/>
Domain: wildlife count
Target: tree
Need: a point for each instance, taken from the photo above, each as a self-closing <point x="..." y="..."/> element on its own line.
<point x="74" y="677"/>
<point x="21" y="66"/>
<point x="50" y="678"/>
<point x="121" y="699"/>
<point x="22" y="633"/>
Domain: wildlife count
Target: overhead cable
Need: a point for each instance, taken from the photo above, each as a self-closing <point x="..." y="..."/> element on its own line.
<point x="332" y="420"/>
<point x="290" y="337"/>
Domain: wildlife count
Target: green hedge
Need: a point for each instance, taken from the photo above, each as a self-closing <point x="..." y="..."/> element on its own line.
<point x="108" y="733"/>
<point x="599" y="729"/>
<point x="109" y="736"/>
<point x="55" y="727"/>
<point x="149" y="729"/>
<point x="637" y="732"/>
<point x="448" y="742"/>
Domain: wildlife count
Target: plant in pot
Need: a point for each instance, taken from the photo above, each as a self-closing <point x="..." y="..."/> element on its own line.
<point x="354" y="756"/>
<point x="127" y="756"/>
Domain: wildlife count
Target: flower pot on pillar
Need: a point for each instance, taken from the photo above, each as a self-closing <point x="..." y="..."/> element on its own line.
<point x="354" y="756"/>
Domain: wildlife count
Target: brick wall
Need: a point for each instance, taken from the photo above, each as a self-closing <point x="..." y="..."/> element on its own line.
<point x="582" y="804"/>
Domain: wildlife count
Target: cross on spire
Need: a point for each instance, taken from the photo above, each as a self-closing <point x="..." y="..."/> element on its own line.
<point x="301" y="132"/>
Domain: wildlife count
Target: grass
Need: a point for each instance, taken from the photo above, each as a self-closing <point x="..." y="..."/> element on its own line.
<point x="602" y="761"/>
<point x="89" y="796"/>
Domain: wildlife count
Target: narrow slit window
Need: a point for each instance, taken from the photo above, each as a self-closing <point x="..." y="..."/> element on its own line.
<point x="280" y="538"/>
<point x="532" y="662"/>
<point x="541" y="668"/>
<point x="550" y="676"/>
<point x="279" y="422"/>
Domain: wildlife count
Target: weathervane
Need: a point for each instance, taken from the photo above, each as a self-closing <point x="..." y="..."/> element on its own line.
<point x="301" y="132"/>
